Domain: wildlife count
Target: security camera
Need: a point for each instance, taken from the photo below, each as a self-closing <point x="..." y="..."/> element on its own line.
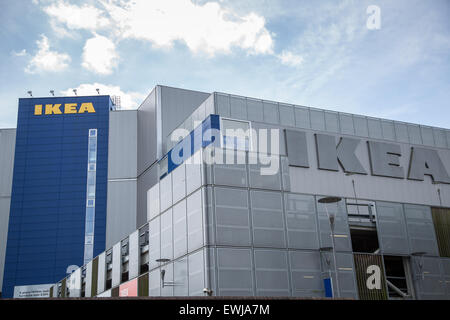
<point x="207" y="291"/>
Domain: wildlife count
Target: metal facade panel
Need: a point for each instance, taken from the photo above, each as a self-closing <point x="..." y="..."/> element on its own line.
<point x="4" y="220"/>
<point x="176" y="106"/>
<point x="122" y="145"/>
<point x="121" y="219"/>
<point x="101" y="284"/>
<point x="421" y="234"/>
<point x="391" y="227"/>
<point x="147" y="132"/>
<point x="7" y="147"/>
<point x="429" y="278"/>
<point x="144" y="182"/>
<point x="51" y="157"/>
<point x="88" y="284"/>
<point x="116" y="264"/>
<point x="133" y="255"/>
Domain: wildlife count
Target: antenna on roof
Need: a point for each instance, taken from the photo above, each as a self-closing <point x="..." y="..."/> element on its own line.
<point x="52" y="92"/>
<point x="30" y="93"/>
<point x="98" y="91"/>
<point x="75" y="91"/>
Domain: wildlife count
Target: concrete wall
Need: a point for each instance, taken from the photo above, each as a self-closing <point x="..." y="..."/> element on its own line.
<point x="7" y="146"/>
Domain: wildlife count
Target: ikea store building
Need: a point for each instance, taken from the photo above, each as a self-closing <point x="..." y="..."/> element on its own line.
<point x="212" y="194"/>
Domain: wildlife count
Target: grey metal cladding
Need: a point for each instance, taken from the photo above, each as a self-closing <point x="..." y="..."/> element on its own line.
<point x="297" y="148"/>
<point x="271" y="272"/>
<point x="347" y="157"/>
<point x="101" y="281"/>
<point x="421" y="234"/>
<point x="385" y="159"/>
<point x="427" y="162"/>
<point x="431" y="278"/>
<point x="147" y="133"/>
<point x="116" y="264"/>
<point x="121" y="202"/>
<point x="391" y="228"/>
<point x="326" y="152"/>
<point x="134" y="255"/>
<point x="122" y="149"/>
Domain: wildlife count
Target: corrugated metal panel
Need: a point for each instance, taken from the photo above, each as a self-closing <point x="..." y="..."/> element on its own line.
<point x="94" y="277"/>
<point x="441" y="219"/>
<point x="362" y="263"/>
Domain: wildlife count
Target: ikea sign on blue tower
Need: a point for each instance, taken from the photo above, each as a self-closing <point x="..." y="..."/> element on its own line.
<point x="58" y="202"/>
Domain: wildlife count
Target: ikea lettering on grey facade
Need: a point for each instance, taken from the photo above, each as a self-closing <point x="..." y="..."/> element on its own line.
<point x="214" y="194"/>
<point x="384" y="157"/>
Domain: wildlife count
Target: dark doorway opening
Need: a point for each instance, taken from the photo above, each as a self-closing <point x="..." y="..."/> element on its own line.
<point x="397" y="277"/>
<point x="364" y="240"/>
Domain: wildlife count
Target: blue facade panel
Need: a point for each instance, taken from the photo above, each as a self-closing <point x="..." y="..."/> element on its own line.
<point x="48" y="203"/>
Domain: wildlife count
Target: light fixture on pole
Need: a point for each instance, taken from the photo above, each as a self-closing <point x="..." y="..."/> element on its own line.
<point x="331" y="219"/>
<point x="163" y="273"/>
<point x="419" y="256"/>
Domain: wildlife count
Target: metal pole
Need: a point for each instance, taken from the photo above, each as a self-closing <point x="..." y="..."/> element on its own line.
<point x="334" y="253"/>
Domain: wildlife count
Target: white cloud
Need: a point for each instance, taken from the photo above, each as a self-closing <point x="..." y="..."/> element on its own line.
<point x="76" y="17"/>
<point x="99" y="55"/>
<point x="21" y="53"/>
<point x="129" y="99"/>
<point x="208" y="28"/>
<point x="46" y="60"/>
<point x="290" y="59"/>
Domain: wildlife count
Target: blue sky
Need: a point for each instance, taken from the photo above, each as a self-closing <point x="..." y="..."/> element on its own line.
<point x="313" y="53"/>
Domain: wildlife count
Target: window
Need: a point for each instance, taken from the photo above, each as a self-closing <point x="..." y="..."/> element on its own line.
<point x="91" y="203"/>
<point x="92" y="132"/>
<point x="236" y="134"/>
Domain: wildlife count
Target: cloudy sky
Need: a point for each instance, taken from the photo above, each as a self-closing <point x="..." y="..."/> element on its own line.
<point x="313" y="53"/>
